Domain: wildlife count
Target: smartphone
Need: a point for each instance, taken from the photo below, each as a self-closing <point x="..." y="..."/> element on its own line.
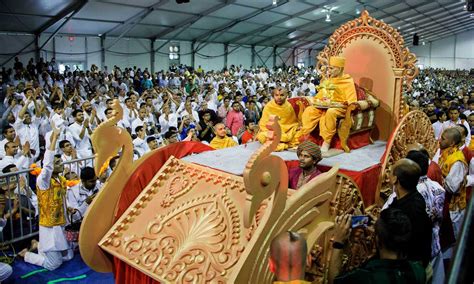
<point x="359" y="221"/>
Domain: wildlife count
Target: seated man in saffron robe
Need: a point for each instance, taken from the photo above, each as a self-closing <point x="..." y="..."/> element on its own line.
<point x="287" y="119"/>
<point x="221" y="140"/>
<point x="338" y="89"/>
<point x="309" y="155"/>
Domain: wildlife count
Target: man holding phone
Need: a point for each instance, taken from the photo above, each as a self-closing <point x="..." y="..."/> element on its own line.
<point x="393" y="232"/>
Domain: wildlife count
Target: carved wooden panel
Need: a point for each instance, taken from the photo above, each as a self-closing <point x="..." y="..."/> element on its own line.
<point x="347" y="200"/>
<point x="415" y="127"/>
<point x="178" y="237"/>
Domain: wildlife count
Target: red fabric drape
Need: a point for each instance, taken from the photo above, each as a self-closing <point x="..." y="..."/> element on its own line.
<point x="366" y="180"/>
<point x="123" y="272"/>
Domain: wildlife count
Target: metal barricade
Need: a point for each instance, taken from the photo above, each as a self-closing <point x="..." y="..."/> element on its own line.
<point x="19" y="212"/>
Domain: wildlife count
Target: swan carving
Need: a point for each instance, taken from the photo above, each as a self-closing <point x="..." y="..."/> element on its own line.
<point x="108" y="140"/>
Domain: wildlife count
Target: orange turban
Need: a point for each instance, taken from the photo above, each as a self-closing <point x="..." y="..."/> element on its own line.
<point x="337" y="61"/>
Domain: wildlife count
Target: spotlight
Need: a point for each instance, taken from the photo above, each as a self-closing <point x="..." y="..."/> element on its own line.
<point x="275" y="2"/>
<point x="328" y="18"/>
<point x="357" y="11"/>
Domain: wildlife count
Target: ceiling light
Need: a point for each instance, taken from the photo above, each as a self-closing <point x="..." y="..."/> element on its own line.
<point x="328" y="17"/>
<point x="275" y="2"/>
<point x="472" y="15"/>
<point x="423" y="43"/>
<point x="357" y="11"/>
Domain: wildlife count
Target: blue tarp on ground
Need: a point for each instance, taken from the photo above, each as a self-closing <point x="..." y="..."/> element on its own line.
<point x="74" y="268"/>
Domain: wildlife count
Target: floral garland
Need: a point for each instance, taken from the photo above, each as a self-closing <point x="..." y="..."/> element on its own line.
<point x="35" y="170"/>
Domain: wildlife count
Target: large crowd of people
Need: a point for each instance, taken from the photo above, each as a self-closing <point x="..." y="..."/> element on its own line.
<point x="48" y="119"/>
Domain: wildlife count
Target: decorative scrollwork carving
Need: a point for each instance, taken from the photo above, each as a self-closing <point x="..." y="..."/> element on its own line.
<point x="177" y="186"/>
<point x="195" y="236"/>
<point x="415" y="127"/>
<point x="347" y="200"/>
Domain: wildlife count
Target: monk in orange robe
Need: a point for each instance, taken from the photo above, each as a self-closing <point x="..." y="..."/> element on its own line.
<point x="288" y="121"/>
<point x="340" y="89"/>
<point x="221" y="140"/>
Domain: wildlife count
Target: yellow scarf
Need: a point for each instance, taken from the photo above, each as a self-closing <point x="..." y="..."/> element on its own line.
<point x="447" y="159"/>
<point x="221" y="143"/>
<point x="288" y="120"/>
<point x="344" y="89"/>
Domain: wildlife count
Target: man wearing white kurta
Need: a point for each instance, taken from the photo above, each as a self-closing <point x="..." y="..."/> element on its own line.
<point x="53" y="247"/>
<point x="81" y="132"/>
<point x="81" y="195"/>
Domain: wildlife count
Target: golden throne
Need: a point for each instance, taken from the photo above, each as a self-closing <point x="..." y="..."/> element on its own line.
<point x="379" y="63"/>
<point x="193" y="224"/>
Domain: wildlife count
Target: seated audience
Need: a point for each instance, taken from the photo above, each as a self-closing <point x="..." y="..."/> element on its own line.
<point x="251" y="130"/>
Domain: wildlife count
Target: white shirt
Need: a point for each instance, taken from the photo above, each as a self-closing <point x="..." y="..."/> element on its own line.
<point x="438" y="128"/>
<point x="140" y="145"/>
<point x="138" y="122"/>
<point x="81" y="143"/>
<point x="195" y="115"/>
<point x="166" y="123"/>
<point x="64" y="135"/>
<point x="75" y="166"/>
<point x="76" y="198"/>
<point x="22" y="162"/>
<point x="51" y="238"/>
<point x="448" y="124"/>
<point x="30" y="133"/>
<point x="2" y="148"/>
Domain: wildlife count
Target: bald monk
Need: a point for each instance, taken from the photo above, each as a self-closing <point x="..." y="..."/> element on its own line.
<point x="221" y="140"/>
<point x="309" y="155"/>
<point x="288" y="258"/>
<point x="288" y="121"/>
<point x="343" y="91"/>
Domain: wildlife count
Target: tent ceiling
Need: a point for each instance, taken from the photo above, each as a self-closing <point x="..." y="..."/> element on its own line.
<point x="290" y="23"/>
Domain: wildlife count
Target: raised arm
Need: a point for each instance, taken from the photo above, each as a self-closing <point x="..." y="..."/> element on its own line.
<point x="24" y="108"/>
<point x="44" y="178"/>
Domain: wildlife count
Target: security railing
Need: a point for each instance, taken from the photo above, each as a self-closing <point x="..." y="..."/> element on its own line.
<point x="463" y="259"/>
<point x="19" y="219"/>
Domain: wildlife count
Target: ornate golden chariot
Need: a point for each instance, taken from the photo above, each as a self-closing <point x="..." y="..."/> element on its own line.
<point x="193" y="224"/>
